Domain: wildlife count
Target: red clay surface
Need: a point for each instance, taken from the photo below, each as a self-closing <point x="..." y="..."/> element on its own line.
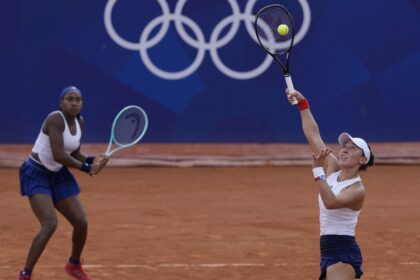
<point x="188" y="154"/>
<point x="215" y="223"/>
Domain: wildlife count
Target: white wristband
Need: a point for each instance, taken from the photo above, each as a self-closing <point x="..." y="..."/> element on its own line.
<point x="318" y="172"/>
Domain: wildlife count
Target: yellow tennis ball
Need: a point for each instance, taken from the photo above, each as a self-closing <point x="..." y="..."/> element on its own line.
<point x="283" y="29"/>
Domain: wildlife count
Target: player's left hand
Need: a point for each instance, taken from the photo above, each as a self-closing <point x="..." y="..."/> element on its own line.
<point x="319" y="159"/>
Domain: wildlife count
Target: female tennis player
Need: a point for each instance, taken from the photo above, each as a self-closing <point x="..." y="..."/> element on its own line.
<point x="46" y="180"/>
<point x="341" y="196"/>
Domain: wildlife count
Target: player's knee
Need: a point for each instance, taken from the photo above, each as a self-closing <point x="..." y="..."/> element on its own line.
<point x="81" y="223"/>
<point x="49" y="226"/>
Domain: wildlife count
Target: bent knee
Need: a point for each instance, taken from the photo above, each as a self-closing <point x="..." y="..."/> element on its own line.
<point x="80" y="223"/>
<point x="49" y="226"/>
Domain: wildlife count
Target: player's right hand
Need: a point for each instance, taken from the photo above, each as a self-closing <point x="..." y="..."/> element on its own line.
<point x="99" y="163"/>
<point x="295" y="94"/>
<point x="95" y="168"/>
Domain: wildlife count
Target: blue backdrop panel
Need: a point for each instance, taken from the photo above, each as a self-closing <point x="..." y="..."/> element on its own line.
<point x="196" y="69"/>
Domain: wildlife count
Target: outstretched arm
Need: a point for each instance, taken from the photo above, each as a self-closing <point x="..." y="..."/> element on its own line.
<point x="312" y="134"/>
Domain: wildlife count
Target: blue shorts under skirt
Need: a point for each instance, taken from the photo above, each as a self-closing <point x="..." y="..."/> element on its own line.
<point x="36" y="179"/>
<point x="340" y="248"/>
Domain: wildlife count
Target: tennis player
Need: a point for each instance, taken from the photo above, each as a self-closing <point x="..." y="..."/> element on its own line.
<point x="46" y="180"/>
<point x="341" y="196"/>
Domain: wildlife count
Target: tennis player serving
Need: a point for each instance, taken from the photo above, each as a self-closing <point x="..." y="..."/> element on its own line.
<point x="341" y="196"/>
<point x="46" y="180"/>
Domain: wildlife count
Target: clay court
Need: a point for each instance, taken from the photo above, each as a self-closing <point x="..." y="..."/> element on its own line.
<point x="215" y="223"/>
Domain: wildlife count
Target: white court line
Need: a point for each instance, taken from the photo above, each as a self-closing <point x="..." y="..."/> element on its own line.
<point x="213" y="265"/>
<point x="169" y="265"/>
<point x="187" y="265"/>
<point x="410" y="263"/>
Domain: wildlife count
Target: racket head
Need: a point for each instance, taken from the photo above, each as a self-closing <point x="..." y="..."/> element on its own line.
<point x="128" y="128"/>
<point x="266" y="23"/>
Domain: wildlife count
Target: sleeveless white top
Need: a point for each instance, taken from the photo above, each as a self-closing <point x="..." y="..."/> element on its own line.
<point x="340" y="221"/>
<point x="43" y="146"/>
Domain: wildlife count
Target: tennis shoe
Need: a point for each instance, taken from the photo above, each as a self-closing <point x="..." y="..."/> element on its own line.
<point x="76" y="271"/>
<point x="24" y="277"/>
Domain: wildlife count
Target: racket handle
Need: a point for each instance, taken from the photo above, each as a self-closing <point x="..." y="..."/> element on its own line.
<point x="290" y="87"/>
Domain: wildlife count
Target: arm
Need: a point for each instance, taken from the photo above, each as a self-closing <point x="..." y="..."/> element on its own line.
<point x="54" y="127"/>
<point x="313" y="136"/>
<point x="79" y="155"/>
<point x="101" y="160"/>
<point x="351" y="197"/>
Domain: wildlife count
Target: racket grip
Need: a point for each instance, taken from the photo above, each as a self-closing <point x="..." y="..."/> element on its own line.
<point x="290" y="87"/>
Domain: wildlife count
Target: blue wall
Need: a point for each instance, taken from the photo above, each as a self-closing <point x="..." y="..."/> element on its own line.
<point x="358" y="63"/>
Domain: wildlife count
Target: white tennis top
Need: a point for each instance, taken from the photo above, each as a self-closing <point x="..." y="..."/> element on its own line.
<point x="43" y="146"/>
<point x="340" y="221"/>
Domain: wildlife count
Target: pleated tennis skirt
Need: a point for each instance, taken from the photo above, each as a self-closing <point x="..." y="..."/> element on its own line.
<point x="36" y="179"/>
<point x="340" y="248"/>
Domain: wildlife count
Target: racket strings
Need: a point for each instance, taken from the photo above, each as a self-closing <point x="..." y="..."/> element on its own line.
<point x="266" y="26"/>
<point x="129" y="126"/>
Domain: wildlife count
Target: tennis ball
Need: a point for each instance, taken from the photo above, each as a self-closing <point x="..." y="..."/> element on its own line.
<point x="283" y="29"/>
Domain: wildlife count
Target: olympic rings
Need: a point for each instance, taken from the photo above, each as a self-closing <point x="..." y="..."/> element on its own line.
<point x="199" y="41"/>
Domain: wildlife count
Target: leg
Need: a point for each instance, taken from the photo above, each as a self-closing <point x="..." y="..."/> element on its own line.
<point x="341" y="271"/>
<point x="72" y="210"/>
<point x="43" y="208"/>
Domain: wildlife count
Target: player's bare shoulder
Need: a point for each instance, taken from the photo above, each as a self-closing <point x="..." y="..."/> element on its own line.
<point x="54" y="120"/>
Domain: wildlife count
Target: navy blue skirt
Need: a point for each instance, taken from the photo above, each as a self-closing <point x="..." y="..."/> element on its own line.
<point x="36" y="179"/>
<point x="340" y="248"/>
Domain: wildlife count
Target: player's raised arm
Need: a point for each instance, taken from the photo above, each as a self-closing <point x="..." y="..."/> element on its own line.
<point x="311" y="131"/>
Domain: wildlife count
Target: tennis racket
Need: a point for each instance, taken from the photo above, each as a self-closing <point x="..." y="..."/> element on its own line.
<point x="266" y="23"/>
<point x="128" y="127"/>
